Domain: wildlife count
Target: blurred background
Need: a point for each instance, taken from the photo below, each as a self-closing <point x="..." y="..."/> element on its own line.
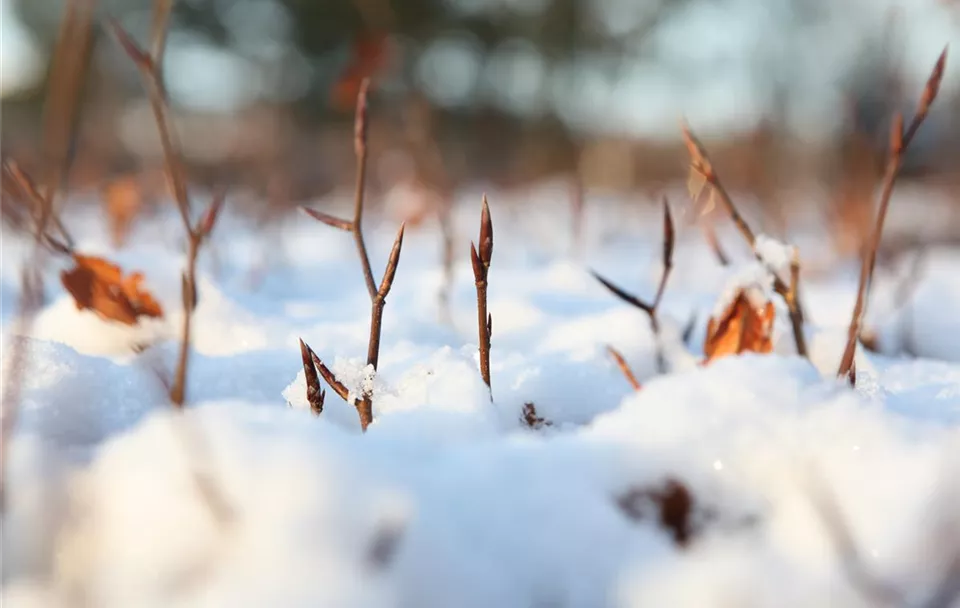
<point x="785" y="93"/>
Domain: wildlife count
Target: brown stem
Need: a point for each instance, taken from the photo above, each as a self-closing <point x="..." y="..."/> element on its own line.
<point x="178" y="391"/>
<point x="360" y="148"/>
<point x="899" y="142"/>
<point x="624" y="367"/>
<point x="377" y="295"/>
<point x="792" y="298"/>
<point x="701" y="165"/>
<point x="480" y="260"/>
<point x="669" y="238"/>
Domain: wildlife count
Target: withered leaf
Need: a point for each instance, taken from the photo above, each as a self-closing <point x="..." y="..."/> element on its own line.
<point x="742" y="327"/>
<point x="99" y="285"/>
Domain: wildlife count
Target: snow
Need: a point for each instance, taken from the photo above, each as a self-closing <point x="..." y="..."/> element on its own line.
<point x="774" y="255"/>
<point x="247" y="499"/>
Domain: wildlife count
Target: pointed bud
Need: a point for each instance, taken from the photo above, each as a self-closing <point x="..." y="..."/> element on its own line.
<point x="315" y="394"/>
<point x="478" y="272"/>
<point x="486" y="234"/>
<point x="328" y="219"/>
<point x="933" y="83"/>
<point x="392" y="264"/>
<point x="489" y="326"/>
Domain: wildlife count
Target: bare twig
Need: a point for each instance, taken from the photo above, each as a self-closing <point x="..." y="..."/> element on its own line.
<point x="378" y="295"/>
<point x="480" y="259"/>
<point x="899" y="142"/>
<point x="61" y="112"/>
<point x="701" y="167"/>
<point x="197" y="234"/>
<point x="624" y="367"/>
<point x="315" y="394"/>
<point x="651" y="308"/>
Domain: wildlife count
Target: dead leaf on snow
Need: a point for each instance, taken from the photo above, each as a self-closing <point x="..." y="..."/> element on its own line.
<point x="99" y="285"/>
<point x="743" y="327"/>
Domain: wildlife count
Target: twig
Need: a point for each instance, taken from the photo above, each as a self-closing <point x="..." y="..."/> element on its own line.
<point x="624" y="367"/>
<point x="899" y="142"/>
<point x="315" y="394"/>
<point x="702" y="167"/>
<point x="481" y="270"/>
<point x="378" y="295"/>
<point x="197" y="234"/>
<point x="61" y="111"/>
<point x="651" y="308"/>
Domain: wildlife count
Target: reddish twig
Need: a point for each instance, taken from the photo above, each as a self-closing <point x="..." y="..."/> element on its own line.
<point x="480" y="259"/>
<point x="624" y="367"/>
<point x="378" y="294"/>
<point x="702" y="167"/>
<point x="652" y="308"/>
<point x="197" y="233"/>
<point x="899" y="142"/>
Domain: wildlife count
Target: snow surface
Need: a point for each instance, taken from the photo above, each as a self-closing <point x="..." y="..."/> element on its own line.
<point x="247" y="499"/>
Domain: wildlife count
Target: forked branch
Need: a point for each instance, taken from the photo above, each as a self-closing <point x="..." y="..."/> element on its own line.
<point x="703" y="175"/>
<point x="197" y="233"/>
<point x="378" y="294"/>
<point x="899" y="142"/>
<point x="651" y="308"/>
<point x="480" y="260"/>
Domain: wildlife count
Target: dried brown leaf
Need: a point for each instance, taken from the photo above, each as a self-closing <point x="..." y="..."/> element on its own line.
<point x="99" y="285"/>
<point x="741" y="328"/>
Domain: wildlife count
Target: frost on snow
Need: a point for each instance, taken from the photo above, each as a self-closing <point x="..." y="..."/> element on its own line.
<point x="448" y="499"/>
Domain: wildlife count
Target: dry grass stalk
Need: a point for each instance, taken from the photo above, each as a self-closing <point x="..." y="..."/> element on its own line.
<point x="197" y="233"/>
<point x="669" y="237"/>
<point x="480" y="259"/>
<point x="899" y="142"/>
<point x="624" y="367"/>
<point x="378" y="294"/>
<point x="703" y="175"/>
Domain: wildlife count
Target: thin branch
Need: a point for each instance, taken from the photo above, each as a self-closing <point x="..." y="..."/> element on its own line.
<point x="702" y="167"/>
<point x="169" y="142"/>
<point x="360" y="149"/>
<point x="337" y="386"/>
<point x="899" y="142"/>
<point x="624" y="367"/>
<point x="480" y="260"/>
<point x="378" y="295"/>
<point x="158" y="31"/>
<point x="197" y="234"/>
<point x="669" y="238"/>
